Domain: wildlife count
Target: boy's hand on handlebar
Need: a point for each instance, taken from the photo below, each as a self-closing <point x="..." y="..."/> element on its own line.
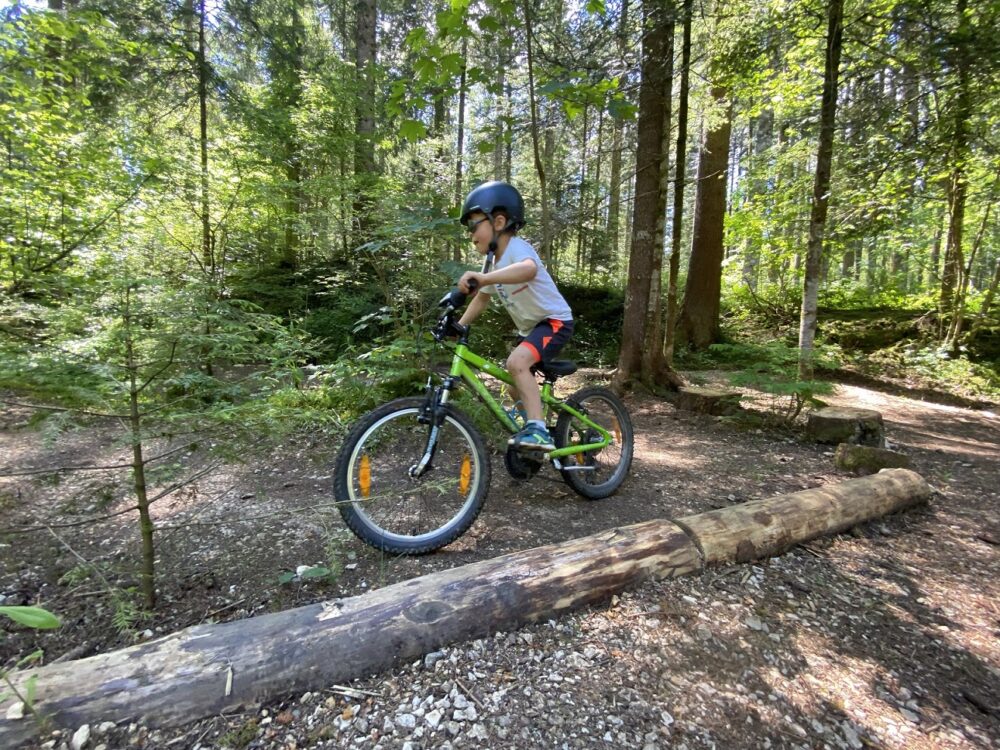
<point x="470" y="282"/>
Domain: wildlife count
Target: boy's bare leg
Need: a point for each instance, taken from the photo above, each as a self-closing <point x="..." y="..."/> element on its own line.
<point x="519" y="365"/>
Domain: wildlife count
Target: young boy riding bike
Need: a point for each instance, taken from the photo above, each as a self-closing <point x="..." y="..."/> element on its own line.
<point x="493" y="213"/>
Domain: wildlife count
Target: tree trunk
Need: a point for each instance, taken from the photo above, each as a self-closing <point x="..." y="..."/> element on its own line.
<point x="647" y="205"/>
<point x="147" y="576"/>
<point x="821" y="188"/>
<point x="598" y="250"/>
<point x="680" y="169"/>
<point x="581" y="223"/>
<point x="760" y="143"/>
<point x="501" y="106"/>
<point x="698" y="322"/>
<point x="614" y="182"/>
<point x="366" y="19"/>
<point x="208" y="669"/>
<point x="958" y="179"/>
<point x="536" y="147"/>
<point x="655" y="368"/>
<point x="207" y="250"/>
<point x="955" y="332"/>
<point x="460" y="155"/>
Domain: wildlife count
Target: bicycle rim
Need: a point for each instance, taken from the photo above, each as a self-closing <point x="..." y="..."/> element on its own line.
<point x="403" y="512"/>
<point x="601" y="471"/>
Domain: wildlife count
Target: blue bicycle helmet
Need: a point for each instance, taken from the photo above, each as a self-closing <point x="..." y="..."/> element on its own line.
<point x="495" y="197"/>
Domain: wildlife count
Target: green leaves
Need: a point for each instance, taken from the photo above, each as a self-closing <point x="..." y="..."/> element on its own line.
<point x="412" y="130"/>
<point x="32" y="617"/>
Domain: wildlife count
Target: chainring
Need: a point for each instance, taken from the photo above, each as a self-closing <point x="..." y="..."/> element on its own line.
<point x="518" y="466"/>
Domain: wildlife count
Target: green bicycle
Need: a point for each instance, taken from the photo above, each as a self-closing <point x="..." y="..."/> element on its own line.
<point x="413" y="474"/>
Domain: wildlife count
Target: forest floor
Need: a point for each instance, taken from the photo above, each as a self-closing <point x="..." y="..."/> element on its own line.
<point x="887" y="636"/>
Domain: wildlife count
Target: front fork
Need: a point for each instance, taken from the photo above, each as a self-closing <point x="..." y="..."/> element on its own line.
<point x="432" y="414"/>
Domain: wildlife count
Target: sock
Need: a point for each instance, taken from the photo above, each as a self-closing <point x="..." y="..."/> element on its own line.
<point x="539" y="423"/>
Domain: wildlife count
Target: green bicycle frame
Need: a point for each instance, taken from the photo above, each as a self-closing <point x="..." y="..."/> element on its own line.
<point x="466" y="365"/>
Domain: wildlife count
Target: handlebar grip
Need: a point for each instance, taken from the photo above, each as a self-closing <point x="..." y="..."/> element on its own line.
<point x="473" y="283"/>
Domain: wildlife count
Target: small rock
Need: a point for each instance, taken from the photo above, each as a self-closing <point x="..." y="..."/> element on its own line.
<point x="851" y="736"/>
<point x="15" y="712"/>
<point x="753" y="622"/>
<point x="478" y="732"/>
<point x="104" y="727"/>
<point x="704" y="633"/>
<point x="433" y="718"/>
<point x="433" y="658"/>
<point x="81" y="737"/>
<point x="407" y="721"/>
<point x="911" y="716"/>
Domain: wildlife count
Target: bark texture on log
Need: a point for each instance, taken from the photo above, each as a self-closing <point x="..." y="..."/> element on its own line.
<point x="762" y="528"/>
<point x="208" y="669"/>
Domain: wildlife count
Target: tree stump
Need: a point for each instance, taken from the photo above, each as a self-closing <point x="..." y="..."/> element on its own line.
<point x="714" y="401"/>
<point x="836" y="424"/>
<point x="865" y="459"/>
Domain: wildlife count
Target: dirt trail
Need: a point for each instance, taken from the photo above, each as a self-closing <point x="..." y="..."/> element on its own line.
<point x="885" y="637"/>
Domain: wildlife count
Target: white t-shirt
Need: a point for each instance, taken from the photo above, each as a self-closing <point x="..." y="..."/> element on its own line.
<point x="529" y="302"/>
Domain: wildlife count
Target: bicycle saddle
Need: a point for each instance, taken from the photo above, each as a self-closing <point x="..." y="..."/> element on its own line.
<point x="556" y="368"/>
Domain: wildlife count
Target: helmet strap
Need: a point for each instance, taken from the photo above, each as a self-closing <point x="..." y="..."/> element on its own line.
<point x="488" y="263"/>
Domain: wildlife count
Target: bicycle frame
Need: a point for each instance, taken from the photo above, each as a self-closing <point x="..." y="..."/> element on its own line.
<point x="466" y="365"/>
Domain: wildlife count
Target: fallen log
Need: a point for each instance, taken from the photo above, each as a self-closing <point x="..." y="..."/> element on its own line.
<point x="763" y="528"/>
<point x="209" y="669"/>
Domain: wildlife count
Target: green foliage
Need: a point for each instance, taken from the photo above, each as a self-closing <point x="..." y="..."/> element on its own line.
<point x="772" y="368"/>
<point x="597" y="320"/>
<point x="127" y="610"/>
<point x="929" y="366"/>
<point x="32" y="617"/>
<point x="363" y="378"/>
<point x="240" y="738"/>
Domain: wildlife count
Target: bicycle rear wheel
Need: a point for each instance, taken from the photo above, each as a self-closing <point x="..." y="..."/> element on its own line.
<point x="389" y="509"/>
<point x="596" y="474"/>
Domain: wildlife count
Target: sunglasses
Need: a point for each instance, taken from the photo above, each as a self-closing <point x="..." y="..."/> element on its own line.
<point x="472" y="225"/>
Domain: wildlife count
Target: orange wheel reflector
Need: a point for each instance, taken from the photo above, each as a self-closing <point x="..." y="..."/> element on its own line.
<point x="616" y="428"/>
<point x="365" y="476"/>
<point x="579" y="458"/>
<point x="465" y="474"/>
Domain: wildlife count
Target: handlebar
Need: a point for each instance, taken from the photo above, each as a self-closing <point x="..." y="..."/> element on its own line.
<point x="456" y="298"/>
<point x="452" y="301"/>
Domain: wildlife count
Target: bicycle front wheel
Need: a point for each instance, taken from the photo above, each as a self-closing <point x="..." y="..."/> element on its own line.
<point x="391" y="510"/>
<point x="596" y="474"/>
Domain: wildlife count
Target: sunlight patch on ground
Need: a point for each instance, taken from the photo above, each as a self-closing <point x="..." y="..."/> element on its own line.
<point x="844" y="684"/>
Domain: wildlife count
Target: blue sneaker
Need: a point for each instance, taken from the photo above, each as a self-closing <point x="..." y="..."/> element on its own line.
<point x="533" y="438"/>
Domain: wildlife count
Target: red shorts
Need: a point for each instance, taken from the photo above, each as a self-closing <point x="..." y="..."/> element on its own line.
<point x="547" y="338"/>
